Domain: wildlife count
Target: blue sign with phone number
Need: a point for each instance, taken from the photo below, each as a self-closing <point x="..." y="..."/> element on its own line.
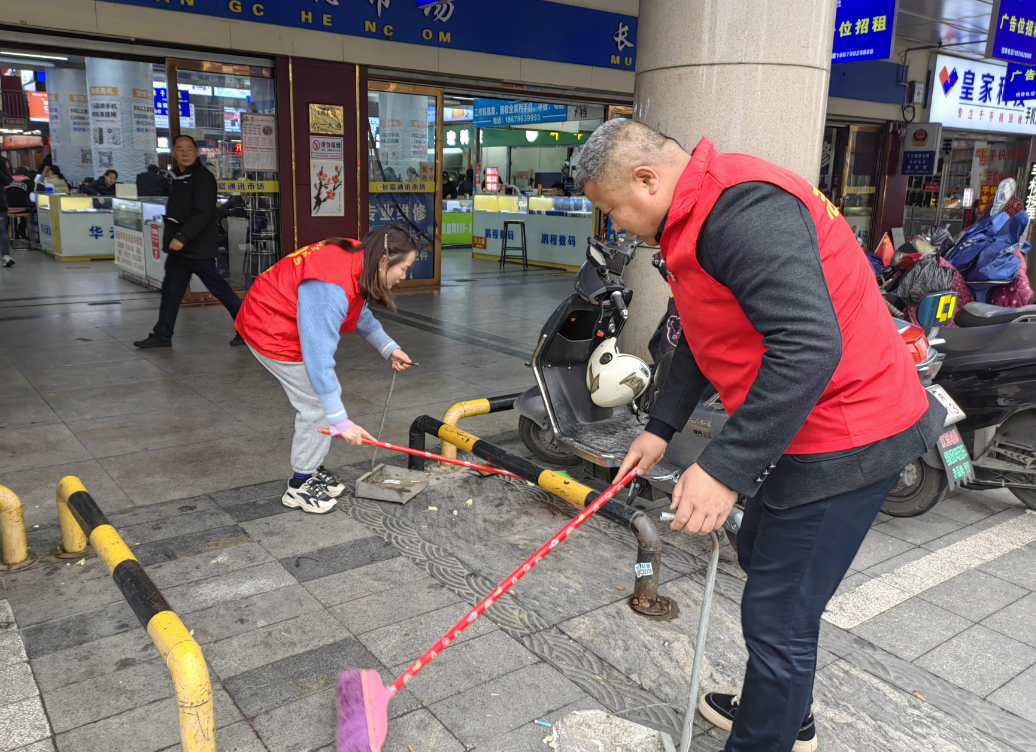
<point x="534" y="29"/>
<point x="1013" y="32"/>
<point x="864" y="30"/>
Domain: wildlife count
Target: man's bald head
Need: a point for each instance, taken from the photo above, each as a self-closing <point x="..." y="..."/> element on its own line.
<point x="630" y="171"/>
<point x="620" y="146"/>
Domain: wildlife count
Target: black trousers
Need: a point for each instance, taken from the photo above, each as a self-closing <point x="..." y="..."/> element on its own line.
<point x="178" y="271"/>
<point x="795" y="557"/>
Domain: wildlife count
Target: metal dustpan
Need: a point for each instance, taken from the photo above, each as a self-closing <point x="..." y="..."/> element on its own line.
<point x="390" y="483"/>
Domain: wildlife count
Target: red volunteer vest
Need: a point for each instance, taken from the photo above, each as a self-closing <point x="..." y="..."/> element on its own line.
<point x="267" y="318"/>
<point x="874" y="393"/>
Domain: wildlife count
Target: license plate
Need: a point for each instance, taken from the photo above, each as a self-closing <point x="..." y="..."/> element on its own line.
<point x="953" y="411"/>
<point x="955" y="459"/>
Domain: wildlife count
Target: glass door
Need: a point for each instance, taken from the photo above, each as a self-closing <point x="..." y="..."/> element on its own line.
<point x="230" y="112"/>
<point x="860" y="180"/>
<point x="404" y="169"/>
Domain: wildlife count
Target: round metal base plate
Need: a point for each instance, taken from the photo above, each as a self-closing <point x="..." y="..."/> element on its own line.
<point x="63" y="554"/>
<point x="663" y="609"/>
<point x="29" y="561"/>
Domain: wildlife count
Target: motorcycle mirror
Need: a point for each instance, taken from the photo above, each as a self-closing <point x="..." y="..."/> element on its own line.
<point x="936" y="309"/>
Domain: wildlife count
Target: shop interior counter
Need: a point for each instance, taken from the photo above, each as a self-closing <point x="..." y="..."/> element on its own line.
<point x="556" y="227"/>
<point x="138" y="239"/>
<point x="73" y="228"/>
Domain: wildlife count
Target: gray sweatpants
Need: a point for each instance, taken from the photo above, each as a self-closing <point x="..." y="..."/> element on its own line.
<point x="308" y="447"/>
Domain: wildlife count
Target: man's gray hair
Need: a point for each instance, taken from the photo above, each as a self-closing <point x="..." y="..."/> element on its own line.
<point x="617" y="148"/>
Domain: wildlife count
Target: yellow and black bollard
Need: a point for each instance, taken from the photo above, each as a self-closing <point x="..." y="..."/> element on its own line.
<point x="15" y="552"/>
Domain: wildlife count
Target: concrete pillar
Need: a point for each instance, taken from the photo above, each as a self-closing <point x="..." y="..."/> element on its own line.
<point x="751" y="75"/>
<point x="122" y="117"/>
<point x="70" y="123"/>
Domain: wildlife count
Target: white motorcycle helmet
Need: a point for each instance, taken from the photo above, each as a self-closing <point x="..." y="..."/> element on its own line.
<point x="615" y="379"/>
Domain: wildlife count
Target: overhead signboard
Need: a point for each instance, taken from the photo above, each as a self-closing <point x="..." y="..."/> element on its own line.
<point x="39" y="106"/>
<point x="920" y="148"/>
<point x="864" y="30"/>
<point x="1012" y="31"/>
<point x="1020" y="84"/>
<point x="496" y="112"/>
<point x="969" y="94"/>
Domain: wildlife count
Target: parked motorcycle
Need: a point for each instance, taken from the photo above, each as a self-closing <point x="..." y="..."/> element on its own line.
<point x="590" y="400"/>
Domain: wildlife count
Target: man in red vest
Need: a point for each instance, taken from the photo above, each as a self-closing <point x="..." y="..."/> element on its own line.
<point x="782" y="316"/>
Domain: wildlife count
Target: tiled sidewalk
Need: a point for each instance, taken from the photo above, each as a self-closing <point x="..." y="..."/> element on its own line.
<point x="280" y="601"/>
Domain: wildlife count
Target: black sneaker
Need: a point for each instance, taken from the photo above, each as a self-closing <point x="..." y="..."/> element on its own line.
<point x="309" y="497"/>
<point x="153" y="340"/>
<point x="237" y="341"/>
<point x="8" y="261"/>
<point x="719" y="710"/>
<point x="332" y="485"/>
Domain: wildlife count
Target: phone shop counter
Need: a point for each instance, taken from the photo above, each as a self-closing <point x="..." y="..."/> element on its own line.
<point x="556" y="228"/>
<point x="74" y="228"/>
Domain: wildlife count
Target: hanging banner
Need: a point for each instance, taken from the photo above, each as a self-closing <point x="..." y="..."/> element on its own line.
<point x="326" y="187"/>
<point x="492" y="112"/>
<point x="79" y="120"/>
<point x="144" y="126"/>
<point x="864" y="30"/>
<point x="1012" y="31"/>
<point x="258" y="142"/>
<point x="106" y="122"/>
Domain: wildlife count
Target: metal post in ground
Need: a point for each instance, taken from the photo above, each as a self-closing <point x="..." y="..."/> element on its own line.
<point x="12" y="533"/>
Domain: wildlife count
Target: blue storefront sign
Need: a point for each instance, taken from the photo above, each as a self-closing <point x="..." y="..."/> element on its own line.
<point x="1020" y="84"/>
<point x="919" y="163"/>
<point x="864" y="30"/>
<point x="534" y="29"/>
<point x="162" y="102"/>
<point x="490" y="112"/>
<point x="1012" y="31"/>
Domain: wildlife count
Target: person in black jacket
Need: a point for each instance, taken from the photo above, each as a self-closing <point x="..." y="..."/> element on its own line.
<point x="151" y="183"/>
<point x="191" y="239"/>
<point x="103" y="187"/>
<point x="5" y="241"/>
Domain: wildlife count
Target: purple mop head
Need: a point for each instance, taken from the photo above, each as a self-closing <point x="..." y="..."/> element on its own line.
<point x="362" y="710"/>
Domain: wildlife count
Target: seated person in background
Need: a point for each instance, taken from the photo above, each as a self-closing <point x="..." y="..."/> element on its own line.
<point x="449" y="190"/>
<point x="467" y="186"/>
<point x="559" y="188"/>
<point x="151" y="183"/>
<point x="103" y="187"/>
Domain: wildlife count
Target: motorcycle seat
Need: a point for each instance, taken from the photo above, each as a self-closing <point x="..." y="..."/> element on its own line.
<point x="1010" y="345"/>
<point x="985" y="314"/>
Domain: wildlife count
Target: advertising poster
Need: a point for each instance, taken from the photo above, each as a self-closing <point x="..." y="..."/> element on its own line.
<point x="106" y="123"/>
<point x="920" y="147"/>
<point x="79" y="119"/>
<point x="419" y="209"/>
<point x="258" y="142"/>
<point x="144" y="126"/>
<point x="129" y="250"/>
<point x="56" y="134"/>
<point x="325" y="181"/>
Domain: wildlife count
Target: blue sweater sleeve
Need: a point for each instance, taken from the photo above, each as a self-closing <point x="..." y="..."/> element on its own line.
<point x="321" y="309"/>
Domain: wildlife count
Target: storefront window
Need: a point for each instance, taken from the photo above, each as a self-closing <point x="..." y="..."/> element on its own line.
<point x="403" y="169"/>
<point x="861" y="180"/>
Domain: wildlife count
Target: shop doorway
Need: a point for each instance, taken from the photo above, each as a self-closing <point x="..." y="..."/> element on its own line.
<point x="405" y="169"/>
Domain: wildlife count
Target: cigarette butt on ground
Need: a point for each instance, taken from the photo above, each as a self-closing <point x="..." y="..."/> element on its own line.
<point x="919" y="697"/>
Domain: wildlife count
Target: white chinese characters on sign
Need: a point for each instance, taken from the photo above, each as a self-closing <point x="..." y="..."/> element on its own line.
<point x="620" y="37"/>
<point x="381" y="4"/>
<point x="443" y="11"/>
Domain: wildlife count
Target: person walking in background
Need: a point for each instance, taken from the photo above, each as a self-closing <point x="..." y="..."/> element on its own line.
<point x="5" y="241"/>
<point x="151" y="183"/>
<point x="292" y="319"/>
<point x="192" y="241"/>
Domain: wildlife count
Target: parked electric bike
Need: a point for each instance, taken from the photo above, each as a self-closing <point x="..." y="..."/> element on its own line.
<point x="589" y="399"/>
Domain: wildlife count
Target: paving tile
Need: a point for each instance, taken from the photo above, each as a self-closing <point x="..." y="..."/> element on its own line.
<point x="978" y="660"/>
<point x="36" y="488"/>
<point x="148" y="728"/>
<point x="918" y="530"/>
<point x="1017" y="620"/>
<point x="969" y="508"/>
<point x="58" y="591"/>
<point x="15" y="386"/>
<point x="257" y="510"/>
<point x="422" y="727"/>
<point x="878" y="547"/>
<point x="16" y="683"/>
<point x="26" y="410"/>
<point x="372" y="578"/>
<point x="209" y="541"/>
<point x="912" y="628"/>
<point x="93" y="375"/>
<point x="1017" y="567"/>
<point x="974" y="594"/>
<point x="341" y="558"/>
<point x="202" y="594"/>
<point x="47" y="745"/>
<point x="245" y="494"/>
<point x="475" y="715"/>
<point x="237" y="737"/>
<point x="11" y="648"/>
<point x="61" y="634"/>
<point x="103" y="696"/>
<point x="909" y="556"/>
<point x="29" y="447"/>
<point x="300" y="726"/>
<point x="851" y="581"/>
<point x="236" y="617"/>
<point x="300" y="533"/>
<point x="1017" y="695"/>
<point x="285" y="681"/>
<point x="408" y="639"/>
<point x="23" y="723"/>
<point x="93" y="659"/>
<point x="142" y="514"/>
<point x="85" y="404"/>
<point x="171" y="527"/>
<point x="390" y="606"/>
<point x="264" y="645"/>
<point x="467" y="665"/>
<point x="181" y="571"/>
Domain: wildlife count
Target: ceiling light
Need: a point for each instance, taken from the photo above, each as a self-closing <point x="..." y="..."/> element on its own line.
<point x="531" y="136"/>
<point x="22" y="63"/>
<point x="27" y="54"/>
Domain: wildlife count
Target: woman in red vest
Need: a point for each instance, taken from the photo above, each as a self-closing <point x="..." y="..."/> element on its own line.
<point x="291" y="320"/>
